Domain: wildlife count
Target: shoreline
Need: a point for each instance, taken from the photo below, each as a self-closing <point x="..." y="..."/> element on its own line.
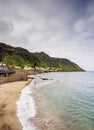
<point x="45" y="118"/>
<point x="26" y="107"/>
<point x="9" y="94"/>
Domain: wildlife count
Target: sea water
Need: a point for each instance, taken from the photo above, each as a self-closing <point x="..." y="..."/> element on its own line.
<point x="68" y="97"/>
<point x="65" y="101"/>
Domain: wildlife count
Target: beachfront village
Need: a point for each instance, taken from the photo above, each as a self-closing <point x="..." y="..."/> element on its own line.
<point x="16" y="73"/>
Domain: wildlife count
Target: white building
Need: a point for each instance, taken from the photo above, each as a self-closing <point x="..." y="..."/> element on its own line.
<point x="3" y="66"/>
<point x="28" y="68"/>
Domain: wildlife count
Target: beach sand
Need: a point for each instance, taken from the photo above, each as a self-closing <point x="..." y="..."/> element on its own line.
<point x="44" y="119"/>
<point x="9" y="94"/>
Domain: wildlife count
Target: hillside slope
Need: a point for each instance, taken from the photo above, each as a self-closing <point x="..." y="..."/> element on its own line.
<point x="20" y="57"/>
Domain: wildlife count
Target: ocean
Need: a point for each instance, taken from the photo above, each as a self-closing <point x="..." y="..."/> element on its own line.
<point x="61" y="101"/>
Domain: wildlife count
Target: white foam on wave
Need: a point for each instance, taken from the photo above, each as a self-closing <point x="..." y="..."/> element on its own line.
<point x="26" y="108"/>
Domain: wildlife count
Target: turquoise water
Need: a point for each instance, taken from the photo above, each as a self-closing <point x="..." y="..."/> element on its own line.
<point x="69" y="96"/>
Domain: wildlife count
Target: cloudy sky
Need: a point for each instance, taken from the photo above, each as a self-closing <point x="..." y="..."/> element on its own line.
<point x="61" y="28"/>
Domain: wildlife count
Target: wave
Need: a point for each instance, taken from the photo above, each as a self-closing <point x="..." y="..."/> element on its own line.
<point x="26" y="107"/>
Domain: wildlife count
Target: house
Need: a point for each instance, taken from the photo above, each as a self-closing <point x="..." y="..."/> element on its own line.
<point x="3" y="66"/>
<point x="4" y="70"/>
<point x="28" y="68"/>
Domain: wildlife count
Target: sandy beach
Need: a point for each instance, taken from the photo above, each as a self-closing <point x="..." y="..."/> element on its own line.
<point x="9" y="94"/>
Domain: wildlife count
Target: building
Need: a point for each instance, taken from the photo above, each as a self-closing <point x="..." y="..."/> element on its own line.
<point x="4" y="71"/>
<point x="3" y="66"/>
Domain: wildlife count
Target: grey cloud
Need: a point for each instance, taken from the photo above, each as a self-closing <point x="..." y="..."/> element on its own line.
<point x="5" y="27"/>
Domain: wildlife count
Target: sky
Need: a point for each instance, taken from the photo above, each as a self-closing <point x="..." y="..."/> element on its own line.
<point x="60" y="28"/>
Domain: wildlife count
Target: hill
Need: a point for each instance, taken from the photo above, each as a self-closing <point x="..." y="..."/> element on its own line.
<point x="20" y="57"/>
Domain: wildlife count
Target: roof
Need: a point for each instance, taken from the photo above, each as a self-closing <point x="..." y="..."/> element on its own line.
<point x="6" y="72"/>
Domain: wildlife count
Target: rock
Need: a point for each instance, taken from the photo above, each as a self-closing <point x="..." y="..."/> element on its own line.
<point x="44" y="78"/>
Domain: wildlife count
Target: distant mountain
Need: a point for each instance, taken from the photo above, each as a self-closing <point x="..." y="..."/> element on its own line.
<point x="20" y="57"/>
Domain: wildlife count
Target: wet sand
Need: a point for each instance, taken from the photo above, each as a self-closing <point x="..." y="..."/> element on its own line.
<point x="9" y="94"/>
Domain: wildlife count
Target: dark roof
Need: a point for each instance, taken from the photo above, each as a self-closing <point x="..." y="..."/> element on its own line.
<point x="7" y="71"/>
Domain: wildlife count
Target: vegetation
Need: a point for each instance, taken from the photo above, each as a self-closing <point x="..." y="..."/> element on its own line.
<point x="17" y="56"/>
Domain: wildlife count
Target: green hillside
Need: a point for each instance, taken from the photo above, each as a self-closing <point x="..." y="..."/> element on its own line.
<point x="17" y="56"/>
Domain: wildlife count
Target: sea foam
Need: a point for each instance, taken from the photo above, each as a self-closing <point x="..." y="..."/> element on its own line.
<point x="26" y="108"/>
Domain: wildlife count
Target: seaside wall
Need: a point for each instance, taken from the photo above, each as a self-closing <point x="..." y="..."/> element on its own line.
<point x="18" y="76"/>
